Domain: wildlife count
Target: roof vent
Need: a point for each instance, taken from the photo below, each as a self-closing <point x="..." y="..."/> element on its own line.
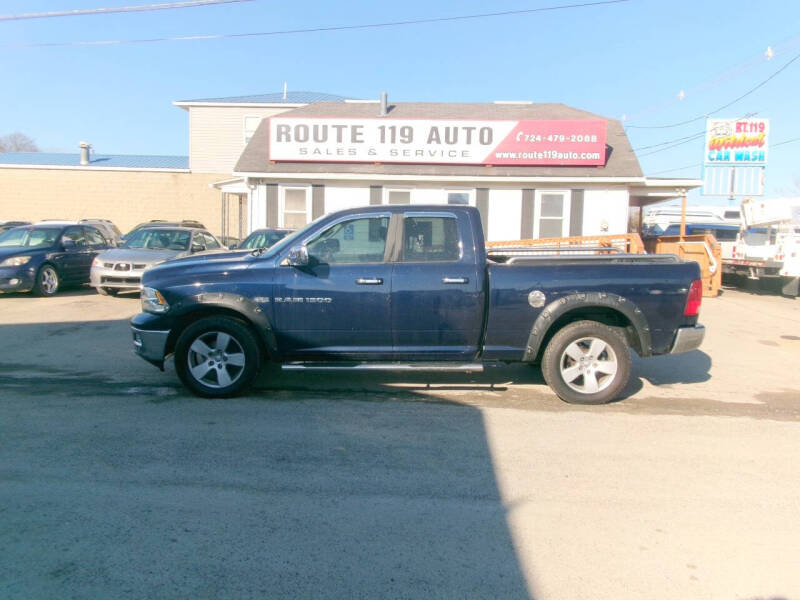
<point x="85" y="147"/>
<point x="384" y="104"/>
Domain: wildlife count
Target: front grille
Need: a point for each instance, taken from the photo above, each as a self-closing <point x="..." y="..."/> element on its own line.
<point x="121" y="280"/>
<point x="122" y="267"/>
<point x="108" y="265"/>
<point x="139" y="267"/>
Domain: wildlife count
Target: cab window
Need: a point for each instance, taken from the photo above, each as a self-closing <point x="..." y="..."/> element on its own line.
<point x="361" y="240"/>
<point x="430" y="239"/>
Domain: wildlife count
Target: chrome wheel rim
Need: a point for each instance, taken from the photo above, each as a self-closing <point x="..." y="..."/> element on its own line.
<point x="49" y="280"/>
<point x="588" y="365"/>
<point x="216" y="359"/>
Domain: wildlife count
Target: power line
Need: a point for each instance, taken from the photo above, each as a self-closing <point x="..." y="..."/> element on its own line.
<point x="691" y="138"/>
<point x="786" y="142"/>
<point x="218" y="36"/>
<point x="677" y="169"/>
<point x="716" y="80"/>
<point x="688" y="137"/>
<point x="683" y="140"/>
<point x="79" y="12"/>
<point x="724" y="106"/>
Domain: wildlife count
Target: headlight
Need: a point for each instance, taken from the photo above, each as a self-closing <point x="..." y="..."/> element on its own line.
<point x="153" y="301"/>
<point x="15" y="261"/>
<point x="97" y="262"/>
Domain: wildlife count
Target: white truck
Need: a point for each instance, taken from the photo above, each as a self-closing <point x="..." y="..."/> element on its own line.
<point x="769" y="243"/>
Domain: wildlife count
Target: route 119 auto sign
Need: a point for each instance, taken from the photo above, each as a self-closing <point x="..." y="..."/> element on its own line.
<point x="442" y="141"/>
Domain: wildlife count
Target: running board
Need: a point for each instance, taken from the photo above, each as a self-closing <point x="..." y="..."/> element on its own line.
<point x="420" y="367"/>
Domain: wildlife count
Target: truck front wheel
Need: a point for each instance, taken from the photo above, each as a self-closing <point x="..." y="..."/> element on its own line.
<point x="587" y="362"/>
<point x="217" y="357"/>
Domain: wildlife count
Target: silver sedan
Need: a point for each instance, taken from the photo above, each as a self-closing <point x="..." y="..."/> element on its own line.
<point x="121" y="269"/>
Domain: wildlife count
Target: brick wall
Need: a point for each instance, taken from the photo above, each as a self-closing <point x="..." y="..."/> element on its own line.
<point x="125" y="197"/>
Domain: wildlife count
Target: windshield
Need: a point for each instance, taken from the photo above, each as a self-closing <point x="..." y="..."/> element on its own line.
<point x="291" y="238"/>
<point x="263" y="239"/>
<point x="30" y="237"/>
<point x="159" y="239"/>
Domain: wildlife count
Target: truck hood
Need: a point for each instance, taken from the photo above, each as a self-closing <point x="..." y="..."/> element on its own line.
<point x="199" y="266"/>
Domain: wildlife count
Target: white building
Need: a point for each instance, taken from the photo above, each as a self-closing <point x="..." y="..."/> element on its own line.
<point x="545" y="192"/>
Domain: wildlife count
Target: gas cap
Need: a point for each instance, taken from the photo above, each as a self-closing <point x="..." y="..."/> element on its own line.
<point x="536" y="299"/>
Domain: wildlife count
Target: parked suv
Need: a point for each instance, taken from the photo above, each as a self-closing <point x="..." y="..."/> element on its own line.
<point x="110" y="231"/>
<point x="45" y="256"/>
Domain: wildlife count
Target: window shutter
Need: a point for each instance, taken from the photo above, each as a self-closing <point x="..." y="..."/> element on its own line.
<point x="482" y="204"/>
<point x="576" y="213"/>
<point x="317" y="200"/>
<point x="527" y="216"/>
<point x="272" y="205"/>
<point x="376" y="194"/>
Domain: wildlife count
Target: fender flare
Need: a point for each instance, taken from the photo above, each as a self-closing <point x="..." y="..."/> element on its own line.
<point x="558" y="308"/>
<point x="236" y="303"/>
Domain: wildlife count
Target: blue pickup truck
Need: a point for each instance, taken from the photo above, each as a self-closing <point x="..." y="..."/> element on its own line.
<point x="413" y="288"/>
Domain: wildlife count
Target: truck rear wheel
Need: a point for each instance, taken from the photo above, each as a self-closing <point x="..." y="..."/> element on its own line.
<point x="587" y="362"/>
<point x="217" y="357"/>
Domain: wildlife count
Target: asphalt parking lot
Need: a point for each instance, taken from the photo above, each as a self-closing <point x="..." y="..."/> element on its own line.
<point x="117" y="483"/>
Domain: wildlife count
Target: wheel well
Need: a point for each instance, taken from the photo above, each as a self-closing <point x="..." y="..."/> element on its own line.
<point x="601" y="314"/>
<point x="211" y="311"/>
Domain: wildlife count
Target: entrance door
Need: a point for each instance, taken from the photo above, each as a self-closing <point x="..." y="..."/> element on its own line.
<point x="338" y="307"/>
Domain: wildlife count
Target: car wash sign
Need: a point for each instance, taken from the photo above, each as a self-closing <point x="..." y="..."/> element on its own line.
<point x="736" y="141"/>
<point x="442" y="141"/>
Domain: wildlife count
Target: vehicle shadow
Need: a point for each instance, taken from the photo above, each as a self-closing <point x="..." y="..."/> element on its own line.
<point x="323" y="496"/>
<point x="73" y="290"/>
<point x="690" y="367"/>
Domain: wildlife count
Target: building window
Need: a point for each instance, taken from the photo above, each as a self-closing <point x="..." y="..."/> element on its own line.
<point x="295" y="207"/>
<point x="397" y="196"/>
<point x="250" y="126"/>
<point x="463" y="197"/>
<point x="552" y="214"/>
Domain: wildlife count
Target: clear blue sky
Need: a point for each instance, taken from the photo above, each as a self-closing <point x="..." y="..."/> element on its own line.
<point x="630" y="59"/>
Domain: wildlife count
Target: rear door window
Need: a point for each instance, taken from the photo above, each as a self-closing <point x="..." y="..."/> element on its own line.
<point x="430" y="239"/>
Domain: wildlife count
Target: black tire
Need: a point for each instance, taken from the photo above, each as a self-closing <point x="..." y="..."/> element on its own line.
<point x="204" y="359"/>
<point x="47" y="281"/>
<point x="107" y="291"/>
<point x="593" y="383"/>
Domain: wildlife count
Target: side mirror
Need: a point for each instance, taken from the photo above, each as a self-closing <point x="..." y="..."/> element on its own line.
<point x="197" y="248"/>
<point x="68" y="244"/>
<point x="119" y="243"/>
<point x="298" y="256"/>
<point x="232" y="247"/>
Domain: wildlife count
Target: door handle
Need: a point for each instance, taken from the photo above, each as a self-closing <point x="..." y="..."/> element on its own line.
<point x="369" y="281"/>
<point x="455" y="280"/>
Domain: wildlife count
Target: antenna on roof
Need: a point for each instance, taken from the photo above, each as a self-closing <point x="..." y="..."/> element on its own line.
<point x="284" y="90"/>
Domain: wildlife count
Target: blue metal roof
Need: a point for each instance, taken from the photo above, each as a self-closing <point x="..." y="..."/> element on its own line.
<point x="110" y="161"/>
<point x="275" y="98"/>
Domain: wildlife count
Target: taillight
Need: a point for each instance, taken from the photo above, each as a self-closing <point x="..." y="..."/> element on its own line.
<point x="694" y="299"/>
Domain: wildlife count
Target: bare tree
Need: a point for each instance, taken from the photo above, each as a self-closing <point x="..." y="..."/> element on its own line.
<point x="17" y="142"/>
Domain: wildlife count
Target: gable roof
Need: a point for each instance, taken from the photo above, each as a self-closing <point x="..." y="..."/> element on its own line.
<point x="621" y="160"/>
<point x="272" y="98"/>
<point x="99" y="161"/>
